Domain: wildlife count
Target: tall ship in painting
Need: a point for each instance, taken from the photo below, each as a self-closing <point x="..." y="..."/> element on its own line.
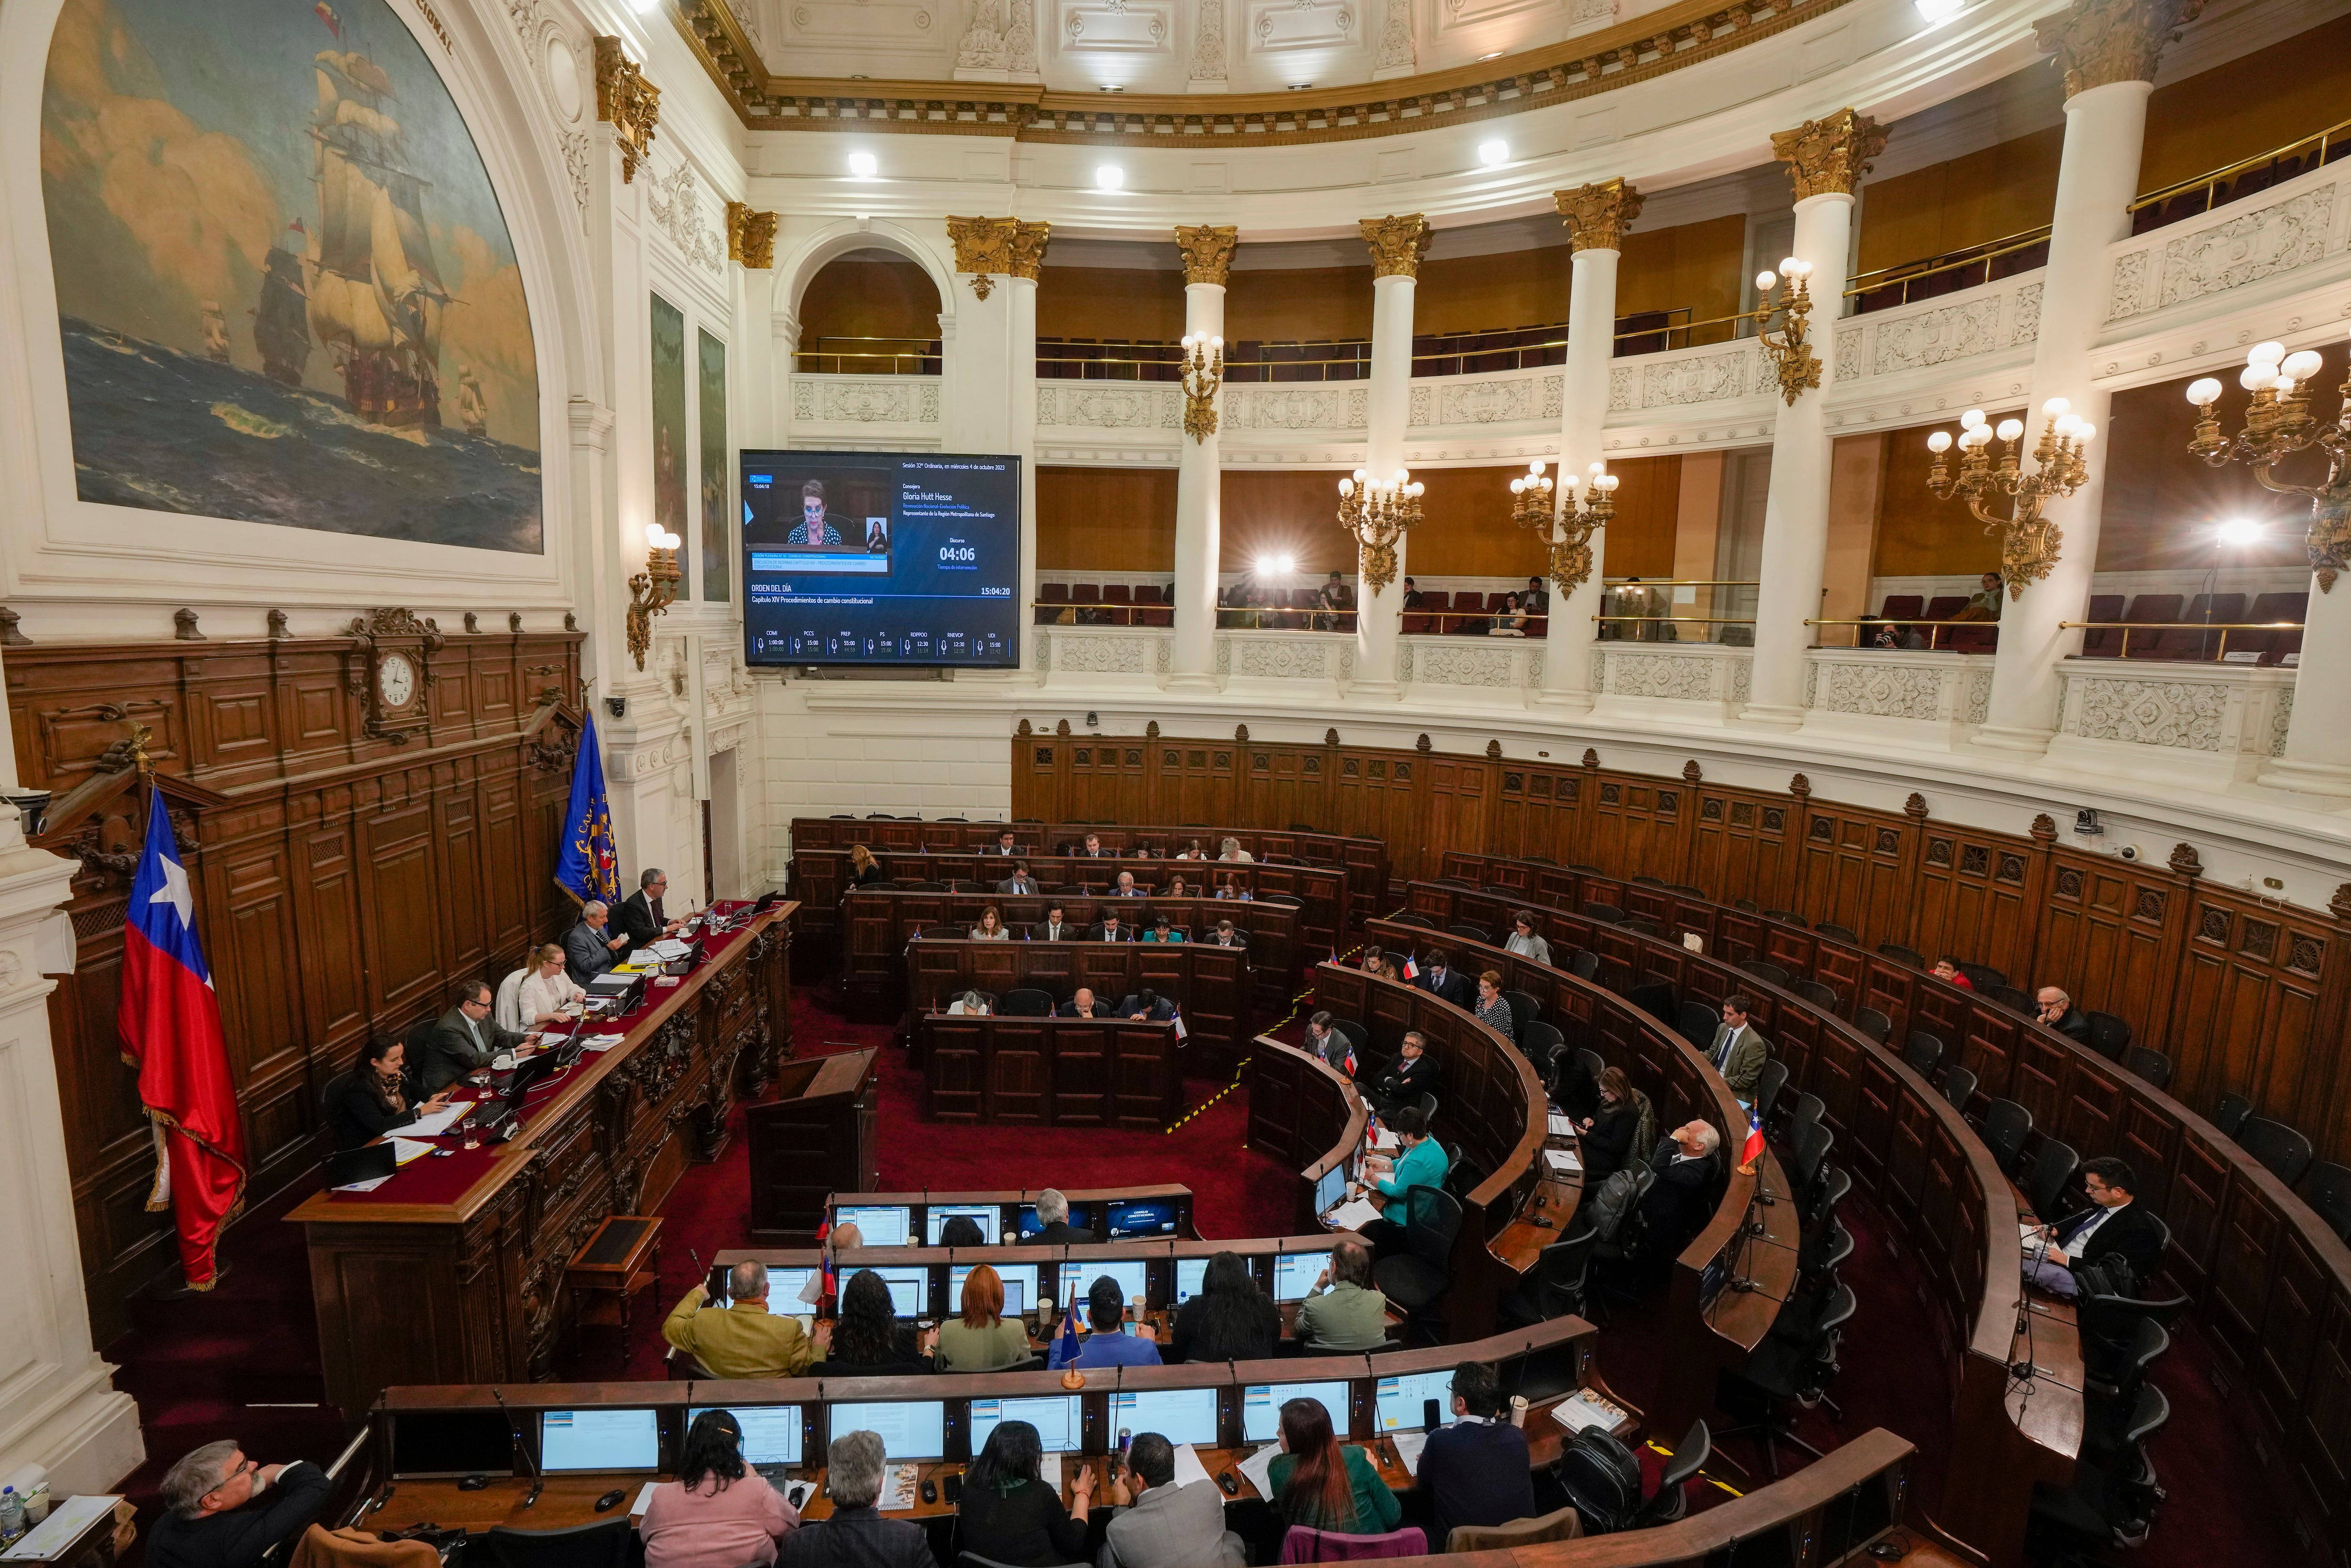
<point x="281" y="322"/>
<point x="375" y="295"/>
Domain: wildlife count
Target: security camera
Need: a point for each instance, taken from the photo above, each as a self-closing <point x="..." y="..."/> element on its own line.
<point x="2126" y="851"/>
<point x="1093" y="720"/>
<point x="617" y="706"/>
<point x="2085" y="820"/>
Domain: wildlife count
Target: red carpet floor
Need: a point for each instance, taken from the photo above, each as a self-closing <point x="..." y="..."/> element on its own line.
<point x="244" y="1361"/>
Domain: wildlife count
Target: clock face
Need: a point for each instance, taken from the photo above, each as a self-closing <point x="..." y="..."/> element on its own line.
<point x="395" y="680"/>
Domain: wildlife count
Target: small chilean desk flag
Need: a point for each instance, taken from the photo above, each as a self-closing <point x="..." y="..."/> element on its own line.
<point x="170" y="1026"/>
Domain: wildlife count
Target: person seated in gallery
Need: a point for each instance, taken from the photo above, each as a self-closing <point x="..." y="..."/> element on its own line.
<point x="1477" y="1467"/>
<point x="856" y="1536"/>
<point x="1344" y="1311"/>
<point x="1197" y="852"/>
<point x="1983" y="604"/>
<point x="1020" y="881"/>
<point x="1325" y="1044"/>
<point x="1093" y="849"/>
<point x="1525" y="941"/>
<point x="991" y="928"/>
<point x="545" y="993"/>
<point x="2112" y="1228"/>
<point x="1230" y="850"/>
<point x="1178" y="888"/>
<point x="1147" y="1005"/>
<point x="864" y="870"/>
<point x="971" y="1004"/>
<point x="868" y="1340"/>
<point x="1678" y="1203"/>
<point x="1334" y="597"/>
<point x="1412" y="594"/>
<point x="376" y="1095"/>
<point x="1324" y="1484"/>
<point x="2057" y="1010"/>
<point x="744" y="1339"/>
<point x="1010" y="1514"/>
<point x="1108" y="1344"/>
<point x="1412" y="1074"/>
<point x="222" y="1510"/>
<point x="1537" y="598"/>
<point x="1233" y="888"/>
<point x="983" y="1339"/>
<point x="1053" y="927"/>
<point x="1083" y="1005"/>
<point x="1439" y="978"/>
<point x="1158" y="1524"/>
<point x="1614" y="1128"/>
<point x="1125" y="887"/>
<point x="1162" y="929"/>
<point x="1510" y="620"/>
<point x="1228" y="1318"/>
<point x="1227" y="935"/>
<point x="1004" y="847"/>
<point x="1946" y="969"/>
<point x="718" y="1511"/>
<point x="1110" y="928"/>
<point x="1054" y="1228"/>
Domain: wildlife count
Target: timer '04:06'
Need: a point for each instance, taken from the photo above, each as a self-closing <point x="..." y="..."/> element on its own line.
<point x="958" y="552"/>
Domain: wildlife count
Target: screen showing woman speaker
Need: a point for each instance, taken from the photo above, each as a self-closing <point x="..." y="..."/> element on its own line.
<point x="880" y="557"/>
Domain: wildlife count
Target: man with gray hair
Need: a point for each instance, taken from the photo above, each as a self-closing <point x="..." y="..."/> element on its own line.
<point x="590" y="948"/>
<point x="2057" y="1010"/>
<point x="1162" y="1525"/>
<point x="1678" y="1204"/>
<point x="641" y="916"/>
<point x="225" y="1511"/>
<point x="856" y="1536"/>
<point x="746" y="1340"/>
<point x="1053" y="1227"/>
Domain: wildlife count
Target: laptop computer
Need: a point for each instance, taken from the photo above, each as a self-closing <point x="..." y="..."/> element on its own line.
<point x="366" y="1163"/>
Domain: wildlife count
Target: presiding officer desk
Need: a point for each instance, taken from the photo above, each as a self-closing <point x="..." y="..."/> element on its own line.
<point x="453" y="1270"/>
<point x="1926" y="1169"/>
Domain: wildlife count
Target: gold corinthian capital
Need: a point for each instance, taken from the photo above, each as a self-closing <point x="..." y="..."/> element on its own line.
<point x="1598" y="215"/>
<point x="1028" y="248"/>
<point x="983" y="247"/>
<point x="1207" y="251"/>
<point x="1828" y="156"/>
<point x="2098" y="42"/>
<point x="1398" y="243"/>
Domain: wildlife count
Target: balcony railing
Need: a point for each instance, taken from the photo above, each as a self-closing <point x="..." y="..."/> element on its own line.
<point x="2243" y="178"/>
<point x="1956" y="635"/>
<point x="1888" y="287"/>
<point x="870" y="357"/>
<point x="2195" y="641"/>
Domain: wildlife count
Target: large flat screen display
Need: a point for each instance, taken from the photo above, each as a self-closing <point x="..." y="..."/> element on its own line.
<point x="880" y="557"/>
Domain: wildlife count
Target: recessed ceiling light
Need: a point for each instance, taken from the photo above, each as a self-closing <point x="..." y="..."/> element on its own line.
<point x="1109" y="177"/>
<point x="859" y="76"/>
<point x="865" y="166"/>
<point x="1493" y="153"/>
<point x="1111" y="86"/>
<point x="1936" y="10"/>
<point x="1299" y="85"/>
<point x="1495" y="56"/>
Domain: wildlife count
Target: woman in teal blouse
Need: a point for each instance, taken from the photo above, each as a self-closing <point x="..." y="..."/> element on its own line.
<point x="1423" y="1162"/>
<point x="1318" y="1483"/>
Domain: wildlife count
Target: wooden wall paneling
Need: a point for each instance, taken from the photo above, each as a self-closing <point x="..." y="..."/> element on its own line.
<point x="1039" y="775"/>
<point x="2248" y="1004"/>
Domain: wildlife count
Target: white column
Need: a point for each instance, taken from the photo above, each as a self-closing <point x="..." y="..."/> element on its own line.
<point x="2096" y="178"/>
<point x="987" y="335"/>
<point x="1796" y="512"/>
<point x="2318" y="757"/>
<point x="1397" y="246"/>
<point x="1199" y="474"/>
<point x="1022" y="381"/>
<point x="1598" y="216"/>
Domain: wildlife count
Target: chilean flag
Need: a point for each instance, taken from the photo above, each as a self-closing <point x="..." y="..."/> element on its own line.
<point x="1752" y="1150"/>
<point x="1411" y="970"/>
<point x="170" y="1026"/>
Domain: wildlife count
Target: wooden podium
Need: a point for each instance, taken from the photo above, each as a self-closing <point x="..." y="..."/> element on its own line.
<point x="815" y="1138"/>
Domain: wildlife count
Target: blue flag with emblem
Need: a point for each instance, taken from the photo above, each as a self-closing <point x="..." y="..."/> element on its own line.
<point x="588" y="865"/>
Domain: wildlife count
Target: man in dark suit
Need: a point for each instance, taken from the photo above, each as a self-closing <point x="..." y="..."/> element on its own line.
<point x="1052" y="928"/>
<point x="1225" y="936"/>
<point x="1053" y="1215"/>
<point x="1147" y="1005"/>
<point x="1125" y="887"/>
<point x="2112" y="1227"/>
<point x="2058" y="1011"/>
<point x="1675" y="1208"/>
<point x="1412" y="1074"/>
<point x="1082" y="1005"/>
<point x="1324" y="1043"/>
<point x="1018" y="882"/>
<point x="592" y="946"/>
<point x="222" y="1507"/>
<point x="1440" y="980"/>
<point x="1094" y="849"/>
<point x="1739" y="1049"/>
<point x="463" y="1039"/>
<point x="856" y="1536"/>
<point x="1004" y="846"/>
<point x="1112" y="929"/>
<point x="641" y="916"/>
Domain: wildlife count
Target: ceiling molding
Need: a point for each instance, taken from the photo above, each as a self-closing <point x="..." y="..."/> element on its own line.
<point x="1663" y="40"/>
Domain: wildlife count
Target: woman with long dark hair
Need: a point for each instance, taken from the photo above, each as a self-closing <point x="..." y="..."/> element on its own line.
<point x="716" y="1514"/>
<point x="376" y="1095"/>
<point x="1010" y="1515"/>
<point x="1320" y="1484"/>
<point x="868" y="1340"/>
<point x="1229" y="1320"/>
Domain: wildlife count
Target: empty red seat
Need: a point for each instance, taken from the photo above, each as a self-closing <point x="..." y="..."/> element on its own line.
<point x="2271" y="645"/>
<point x="1942" y="606"/>
<point x="2193" y="644"/>
<point x="2106" y="644"/>
<point x="2149" y="609"/>
<point x="1151" y="602"/>
<point x="1118" y="593"/>
<point x="1049" y="595"/>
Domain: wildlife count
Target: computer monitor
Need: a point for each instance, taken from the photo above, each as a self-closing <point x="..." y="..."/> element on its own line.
<point x="1403" y="1403"/>
<point x="771" y="1433"/>
<point x="910" y="1288"/>
<point x="599" y="1440"/>
<point x="1190" y="1272"/>
<point x="1262" y="1406"/>
<point x="1081" y="1218"/>
<point x="452" y="1443"/>
<point x="909" y="1428"/>
<point x="1019" y="1281"/>
<point x="881" y="1226"/>
<point x="1294" y="1274"/>
<point x="987" y="1216"/>
<point x="1330" y="1187"/>
<point x="1077" y="1278"/>
<point x="1059" y="1420"/>
<point x="784" y="1287"/>
<point x="1178" y="1414"/>
<point x="1128" y="1221"/>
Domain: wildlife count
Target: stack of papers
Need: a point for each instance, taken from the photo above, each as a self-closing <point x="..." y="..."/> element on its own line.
<point x="1257" y="1468"/>
<point x="1189" y="1467"/>
<point x="438" y="1123"/>
<point x="1561" y="1162"/>
<point x="669" y="949"/>
<point x="1408" y="1446"/>
<point x="68" y="1517"/>
<point x="406" y="1149"/>
<point x="1384" y="1138"/>
<point x="1353" y="1214"/>
<point x="601" y="1041"/>
<point x="1561" y="1127"/>
<point x="1584" y="1411"/>
<point x="1049" y="1470"/>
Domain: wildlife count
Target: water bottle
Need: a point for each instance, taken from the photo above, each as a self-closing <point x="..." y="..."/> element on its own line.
<point x="12" y="1514"/>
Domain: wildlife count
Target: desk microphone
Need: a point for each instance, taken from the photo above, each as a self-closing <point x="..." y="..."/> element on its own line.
<point x="514" y="1430"/>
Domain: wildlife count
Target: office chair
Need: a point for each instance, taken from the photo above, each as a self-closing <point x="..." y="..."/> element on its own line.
<point x="1457" y="881"/>
<point x="1810" y="1109"/>
<point x="1582" y="869"/>
<point x="2151" y="1065"/>
<point x="1025" y="1002"/>
<point x="1922" y="1053"/>
<point x="1524" y="1009"/>
<point x="1873" y="1024"/>
<point x="1561" y="1524"/>
<point x="1824" y="997"/>
<point x="1643" y="927"/>
<point x="2053" y="1170"/>
<point x="1901" y="954"/>
<point x="1303" y="1543"/>
<point x="1417" y="922"/>
<point x="603" y="1544"/>
<point x="1541" y="1043"/>
<point x="1414" y="1278"/>
<point x="2230" y="1112"/>
<point x="1837" y="933"/>
<point x="1764" y="1395"/>
<point x="1554" y="1286"/>
<point x="1812" y="1148"/>
<point x="2149" y="1340"/>
<point x="2326" y="1187"/>
<point x="2012" y="998"/>
<point x="2112" y="1504"/>
<point x="1836" y="1184"/>
<point x="1959" y="1088"/>
<point x="1608" y="914"/>
<point x="1428" y="1110"/>
<point x="1768" y="1085"/>
<point x="1764" y="969"/>
<point x="2006" y="1125"/>
<point x="1583" y="964"/>
<point x="2276" y="1146"/>
<point x="1612" y="1245"/>
<point x="1696" y="1022"/>
<point x="1594" y="1063"/>
<point x="1470" y="932"/>
<point x="1982" y="975"/>
<point x="1746" y="906"/>
<point x="1670" y="1501"/>
<point x="1357" y="1036"/>
<point x="1656" y="998"/>
<point x="2109" y="1036"/>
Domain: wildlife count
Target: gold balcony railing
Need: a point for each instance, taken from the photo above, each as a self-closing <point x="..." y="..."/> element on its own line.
<point x="2212" y="636"/>
<point x="2320" y="147"/>
<point x="870" y="357"/>
<point x="1935" y="634"/>
<point x="1884" y="287"/>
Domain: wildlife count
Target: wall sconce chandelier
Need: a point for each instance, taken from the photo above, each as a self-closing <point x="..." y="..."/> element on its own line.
<point x="1379" y="513"/>
<point x="1799" y="369"/>
<point x="2277" y="424"/>
<point x="1530" y="498"/>
<point x="652" y="590"/>
<point x="2030" y="542"/>
<point x="1580" y="519"/>
<point x="1204" y="372"/>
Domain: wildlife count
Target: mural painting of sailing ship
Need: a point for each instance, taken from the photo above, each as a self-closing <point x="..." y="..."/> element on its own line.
<point x="290" y="295"/>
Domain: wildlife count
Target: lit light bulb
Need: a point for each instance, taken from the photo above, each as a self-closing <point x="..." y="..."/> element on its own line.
<point x="1971" y="419"/>
<point x="865" y="166"/>
<point x="1518" y="487"/>
<point x="1606" y="482"/>
<point x="2302" y="364"/>
<point x="2083" y="431"/>
<point x="1415" y="488"/>
<point x="652" y="533"/>
<point x="2204" y="392"/>
<point x="1535" y="468"/>
<point x="2265" y="353"/>
<point x="1288" y="563"/>
<point x="1110" y="177"/>
<point x="1600" y="466"/>
<point x="2255" y="378"/>
<point x="2239" y="532"/>
<point x="1493" y="153"/>
<point x="1217" y="343"/>
<point x="2055" y="406"/>
<point x="1359" y="476"/>
<point x="1940" y="442"/>
<point x="2010" y="429"/>
<point x="1764" y="281"/>
<point x="1788" y="265"/>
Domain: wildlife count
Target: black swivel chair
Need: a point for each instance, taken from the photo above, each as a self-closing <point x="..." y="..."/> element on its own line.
<point x="1837" y="933"/>
<point x="1822" y="997"/>
<point x="1539" y="1041"/>
<point x="2230" y="1112"/>
<point x="603" y="1544"/>
<point x="1417" y="922"/>
<point x="1768" y="1085"/>
<point x="1983" y="976"/>
<point x="1959" y="1088"/>
<point x="2109" y="1036"/>
<point x="2012" y="998"/>
<point x="1671" y="1502"/>
<point x="1414" y="1278"/>
<point x="1873" y="1024"/>
<point x="1809" y="1110"/>
<point x="1524" y="1010"/>
<point x="2107" y="1504"/>
<point x="2286" y="1152"/>
<point x="1608" y="914"/>
<point x="1583" y="964"/>
<point x="1025" y="1002"/>
<point x="1470" y="932"/>
<point x="1922" y="1053"/>
<point x="1764" y="969"/>
<point x="2006" y="1125"/>
<point x="1786" y="917"/>
<point x="1654" y="998"/>
<point x="1555" y="1288"/>
<point x="2052" y="1172"/>
<point x="1696" y="1022"/>
<point x="2326" y="1187"/>
<point x="2151" y="1065"/>
<point x="1763" y="1394"/>
<point x="1812" y="1155"/>
<point x="1901" y="954"/>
